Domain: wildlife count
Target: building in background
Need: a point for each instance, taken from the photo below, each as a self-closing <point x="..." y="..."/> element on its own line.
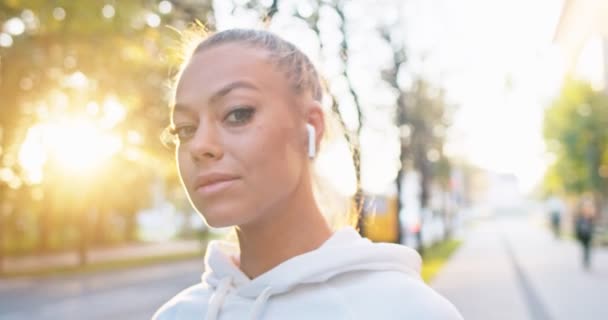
<point x="582" y="38"/>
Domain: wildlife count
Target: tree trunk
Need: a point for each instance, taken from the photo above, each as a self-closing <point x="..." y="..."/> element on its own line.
<point x="359" y="196"/>
<point x="399" y="206"/>
<point x="131" y="226"/>
<point x="424" y="196"/>
<point x="83" y="243"/>
<point x="44" y="226"/>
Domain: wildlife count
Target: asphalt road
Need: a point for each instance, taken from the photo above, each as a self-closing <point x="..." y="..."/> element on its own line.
<point x="118" y="295"/>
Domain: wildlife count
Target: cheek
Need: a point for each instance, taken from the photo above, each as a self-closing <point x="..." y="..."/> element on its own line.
<point x="271" y="158"/>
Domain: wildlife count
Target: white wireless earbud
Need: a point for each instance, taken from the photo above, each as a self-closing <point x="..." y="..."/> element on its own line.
<point x="312" y="141"/>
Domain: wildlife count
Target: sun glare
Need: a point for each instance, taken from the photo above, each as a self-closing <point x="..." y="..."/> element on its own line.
<point x="113" y="112"/>
<point x="32" y="156"/>
<point x="74" y="145"/>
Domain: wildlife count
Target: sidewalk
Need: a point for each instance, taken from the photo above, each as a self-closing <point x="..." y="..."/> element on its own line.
<point x="129" y="252"/>
<point x="512" y="268"/>
<point x="554" y="268"/>
<point x="479" y="279"/>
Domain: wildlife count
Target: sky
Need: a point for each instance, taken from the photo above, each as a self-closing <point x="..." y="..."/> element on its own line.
<point x="499" y="66"/>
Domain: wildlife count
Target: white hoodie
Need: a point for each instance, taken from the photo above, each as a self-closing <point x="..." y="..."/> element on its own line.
<point x="348" y="277"/>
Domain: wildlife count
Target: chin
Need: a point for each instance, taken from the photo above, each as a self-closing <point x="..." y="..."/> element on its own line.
<point x="218" y="223"/>
<point x="228" y="216"/>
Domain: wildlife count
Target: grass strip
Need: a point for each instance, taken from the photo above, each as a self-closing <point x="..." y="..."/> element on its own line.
<point x="436" y="256"/>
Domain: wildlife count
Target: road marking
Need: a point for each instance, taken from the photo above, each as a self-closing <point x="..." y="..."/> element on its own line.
<point x="536" y="308"/>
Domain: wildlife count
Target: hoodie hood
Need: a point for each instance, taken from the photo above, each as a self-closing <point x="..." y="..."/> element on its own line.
<point x="346" y="251"/>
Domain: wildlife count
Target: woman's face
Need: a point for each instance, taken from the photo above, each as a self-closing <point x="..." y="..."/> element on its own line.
<point x="243" y="143"/>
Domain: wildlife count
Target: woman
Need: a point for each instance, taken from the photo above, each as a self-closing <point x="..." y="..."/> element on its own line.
<point x="584" y="229"/>
<point x="248" y="121"/>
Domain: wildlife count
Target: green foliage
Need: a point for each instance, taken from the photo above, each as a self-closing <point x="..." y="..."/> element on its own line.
<point x="576" y="133"/>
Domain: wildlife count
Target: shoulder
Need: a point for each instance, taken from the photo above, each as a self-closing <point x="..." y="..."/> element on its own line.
<point x="191" y="303"/>
<point x="392" y="295"/>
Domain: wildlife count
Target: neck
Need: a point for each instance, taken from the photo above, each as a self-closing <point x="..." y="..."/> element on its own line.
<point x="291" y="228"/>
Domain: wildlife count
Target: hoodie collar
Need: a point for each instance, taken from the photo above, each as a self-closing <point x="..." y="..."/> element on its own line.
<point x="345" y="251"/>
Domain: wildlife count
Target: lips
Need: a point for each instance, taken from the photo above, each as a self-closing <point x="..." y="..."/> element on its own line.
<point x="213" y="182"/>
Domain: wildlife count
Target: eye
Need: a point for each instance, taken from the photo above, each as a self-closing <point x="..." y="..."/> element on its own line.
<point x="240" y="115"/>
<point x="184" y="132"/>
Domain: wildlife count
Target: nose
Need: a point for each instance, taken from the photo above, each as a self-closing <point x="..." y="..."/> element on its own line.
<point x="206" y="144"/>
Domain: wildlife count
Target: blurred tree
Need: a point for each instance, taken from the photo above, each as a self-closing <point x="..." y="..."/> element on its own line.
<point x="427" y="121"/>
<point x="575" y="132"/>
<point x="103" y="61"/>
<point x="422" y="117"/>
<point x="391" y="76"/>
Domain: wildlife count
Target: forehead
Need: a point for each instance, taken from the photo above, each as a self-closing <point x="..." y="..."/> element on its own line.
<point x="214" y="68"/>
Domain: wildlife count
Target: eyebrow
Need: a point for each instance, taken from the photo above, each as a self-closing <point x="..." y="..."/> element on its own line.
<point x="222" y="92"/>
<point x="241" y="84"/>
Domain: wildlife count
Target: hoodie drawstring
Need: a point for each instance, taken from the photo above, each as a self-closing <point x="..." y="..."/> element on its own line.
<point x="260" y="301"/>
<point x="218" y="298"/>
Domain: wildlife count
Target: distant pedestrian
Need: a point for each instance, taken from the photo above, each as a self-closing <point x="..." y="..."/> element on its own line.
<point x="584" y="224"/>
<point x="555" y="208"/>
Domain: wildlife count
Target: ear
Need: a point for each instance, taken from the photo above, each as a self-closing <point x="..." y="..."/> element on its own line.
<point x="315" y="117"/>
